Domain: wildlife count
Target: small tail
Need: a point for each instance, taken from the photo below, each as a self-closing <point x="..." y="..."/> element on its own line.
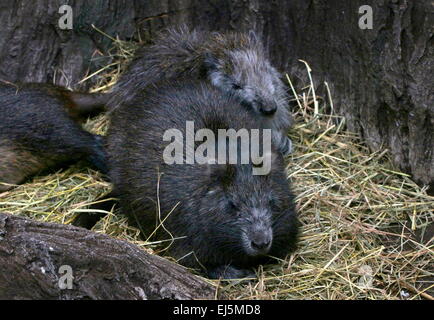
<point x="85" y="105"/>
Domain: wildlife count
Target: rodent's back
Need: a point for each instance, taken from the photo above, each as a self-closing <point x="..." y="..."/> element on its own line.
<point x="30" y="112"/>
<point x="177" y="53"/>
<point x="234" y="62"/>
<point x="38" y="132"/>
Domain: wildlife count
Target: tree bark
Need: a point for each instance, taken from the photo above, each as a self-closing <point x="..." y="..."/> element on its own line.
<point x="32" y="254"/>
<point x="380" y="79"/>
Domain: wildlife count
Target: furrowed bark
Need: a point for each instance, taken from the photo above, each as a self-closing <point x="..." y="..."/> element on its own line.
<point x="32" y="254"/>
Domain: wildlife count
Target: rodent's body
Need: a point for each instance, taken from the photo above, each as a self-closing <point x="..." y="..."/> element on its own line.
<point x="214" y="211"/>
<point x="39" y="130"/>
<point x="235" y="63"/>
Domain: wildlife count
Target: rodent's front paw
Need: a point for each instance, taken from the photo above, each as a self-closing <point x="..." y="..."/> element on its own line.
<point x="230" y="272"/>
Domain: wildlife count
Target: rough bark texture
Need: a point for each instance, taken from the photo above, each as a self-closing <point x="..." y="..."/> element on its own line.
<point x="381" y="79"/>
<point x="31" y="254"/>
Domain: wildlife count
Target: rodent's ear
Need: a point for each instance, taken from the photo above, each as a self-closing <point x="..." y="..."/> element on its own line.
<point x="254" y="37"/>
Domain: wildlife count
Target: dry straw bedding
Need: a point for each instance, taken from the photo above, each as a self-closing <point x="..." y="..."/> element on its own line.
<point x="365" y="226"/>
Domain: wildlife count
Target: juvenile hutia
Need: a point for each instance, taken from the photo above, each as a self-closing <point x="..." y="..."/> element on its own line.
<point x="39" y="130"/>
<point x="217" y="217"/>
<point x="235" y="63"/>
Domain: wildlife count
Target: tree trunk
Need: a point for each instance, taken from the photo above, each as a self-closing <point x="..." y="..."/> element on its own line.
<point x="381" y="79"/>
<point x="35" y="259"/>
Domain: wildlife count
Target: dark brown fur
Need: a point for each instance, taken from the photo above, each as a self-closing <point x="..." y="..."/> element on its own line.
<point x="213" y="211"/>
<point x="235" y="63"/>
<point x="39" y="130"/>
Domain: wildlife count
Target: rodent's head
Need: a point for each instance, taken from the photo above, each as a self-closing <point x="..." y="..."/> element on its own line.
<point x="246" y="73"/>
<point x="246" y="208"/>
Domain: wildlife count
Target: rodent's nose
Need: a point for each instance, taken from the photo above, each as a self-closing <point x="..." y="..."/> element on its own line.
<point x="261" y="243"/>
<point x="268" y="110"/>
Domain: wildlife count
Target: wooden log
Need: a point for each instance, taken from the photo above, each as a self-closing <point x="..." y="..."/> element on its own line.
<point x="37" y="259"/>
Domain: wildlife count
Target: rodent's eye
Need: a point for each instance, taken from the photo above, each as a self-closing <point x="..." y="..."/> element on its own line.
<point x="236" y="86"/>
<point x="232" y="205"/>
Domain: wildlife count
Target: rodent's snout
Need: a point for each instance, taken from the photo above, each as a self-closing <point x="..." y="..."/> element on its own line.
<point x="268" y="109"/>
<point x="261" y="242"/>
<point x="258" y="241"/>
